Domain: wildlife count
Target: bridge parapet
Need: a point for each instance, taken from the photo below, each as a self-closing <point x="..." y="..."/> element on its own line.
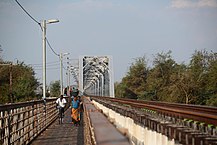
<point x="148" y="126"/>
<point x="20" y="123"/>
<point x="99" y="131"/>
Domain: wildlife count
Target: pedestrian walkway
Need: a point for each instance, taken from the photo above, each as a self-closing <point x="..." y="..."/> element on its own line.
<point x="62" y="134"/>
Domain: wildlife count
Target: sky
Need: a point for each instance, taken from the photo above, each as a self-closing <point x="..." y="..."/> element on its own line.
<point x="122" y="29"/>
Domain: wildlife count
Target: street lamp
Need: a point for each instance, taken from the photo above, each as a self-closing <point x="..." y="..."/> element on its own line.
<point x="61" y="71"/>
<point x="43" y="25"/>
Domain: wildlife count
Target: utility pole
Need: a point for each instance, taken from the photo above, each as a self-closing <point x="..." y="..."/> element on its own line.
<point x="61" y="71"/>
<point x="44" y="57"/>
<point x="10" y="88"/>
<point x="43" y="25"/>
<point x="10" y="80"/>
<point x="69" y="77"/>
<point x="61" y="74"/>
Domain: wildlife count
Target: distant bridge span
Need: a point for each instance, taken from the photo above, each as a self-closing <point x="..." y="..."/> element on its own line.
<point x="96" y="75"/>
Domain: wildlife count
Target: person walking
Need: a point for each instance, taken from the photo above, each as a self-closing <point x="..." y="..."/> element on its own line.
<point x="75" y="114"/>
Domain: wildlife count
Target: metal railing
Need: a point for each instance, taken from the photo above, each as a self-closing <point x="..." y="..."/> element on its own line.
<point x="20" y="123"/>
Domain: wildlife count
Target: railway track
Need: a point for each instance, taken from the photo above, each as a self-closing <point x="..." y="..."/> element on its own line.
<point x="186" y="124"/>
<point x="205" y="115"/>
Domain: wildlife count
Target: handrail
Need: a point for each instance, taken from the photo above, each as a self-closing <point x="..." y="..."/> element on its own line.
<point x="20" y="123"/>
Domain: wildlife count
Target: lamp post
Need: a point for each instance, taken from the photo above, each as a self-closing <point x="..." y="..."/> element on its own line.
<point x="43" y="25"/>
<point x="68" y="78"/>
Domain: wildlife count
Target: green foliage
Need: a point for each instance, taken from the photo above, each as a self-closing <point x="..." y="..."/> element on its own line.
<point x="18" y="83"/>
<point x="212" y="101"/>
<point x="120" y="90"/>
<point x="26" y="82"/>
<point x="172" y="82"/>
<point x="55" y="89"/>
<point x="159" y="78"/>
<point x="135" y="79"/>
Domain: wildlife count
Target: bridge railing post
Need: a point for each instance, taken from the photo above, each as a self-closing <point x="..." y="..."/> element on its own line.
<point x="9" y="126"/>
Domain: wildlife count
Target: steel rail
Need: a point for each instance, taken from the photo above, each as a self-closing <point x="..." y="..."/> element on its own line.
<point x="197" y="108"/>
<point x="203" y="114"/>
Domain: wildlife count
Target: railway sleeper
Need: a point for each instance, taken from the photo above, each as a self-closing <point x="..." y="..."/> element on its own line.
<point x="182" y="131"/>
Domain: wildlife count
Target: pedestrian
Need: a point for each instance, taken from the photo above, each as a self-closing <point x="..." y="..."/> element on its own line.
<point x="74" y="93"/>
<point x="81" y="109"/>
<point x="75" y="114"/>
<point x="65" y="91"/>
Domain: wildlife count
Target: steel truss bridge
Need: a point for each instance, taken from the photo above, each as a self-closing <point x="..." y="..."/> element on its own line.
<point x="96" y="75"/>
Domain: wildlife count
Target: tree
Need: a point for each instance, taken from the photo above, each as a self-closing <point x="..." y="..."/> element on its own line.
<point x="202" y="68"/>
<point x="182" y="85"/>
<point x="121" y="91"/>
<point x="168" y="81"/>
<point x="135" y="80"/>
<point x="4" y="83"/>
<point x="25" y="82"/>
<point x="55" y="89"/>
<point x="118" y="90"/>
<point x="211" y="83"/>
<point x="206" y="79"/>
<point x="21" y="85"/>
<point x="0" y="53"/>
<point x="159" y="77"/>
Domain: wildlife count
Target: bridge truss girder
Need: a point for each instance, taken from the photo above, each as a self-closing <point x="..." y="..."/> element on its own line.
<point x="96" y="75"/>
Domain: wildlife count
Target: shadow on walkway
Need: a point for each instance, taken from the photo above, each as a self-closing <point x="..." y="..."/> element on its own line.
<point x="62" y="134"/>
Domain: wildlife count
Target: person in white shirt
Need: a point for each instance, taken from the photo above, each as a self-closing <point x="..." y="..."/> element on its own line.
<point x="61" y="103"/>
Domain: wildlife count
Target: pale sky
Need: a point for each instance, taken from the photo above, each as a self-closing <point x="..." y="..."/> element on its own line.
<point x="123" y="29"/>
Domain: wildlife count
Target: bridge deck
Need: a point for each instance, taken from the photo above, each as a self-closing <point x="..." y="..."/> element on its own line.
<point x="62" y="134"/>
